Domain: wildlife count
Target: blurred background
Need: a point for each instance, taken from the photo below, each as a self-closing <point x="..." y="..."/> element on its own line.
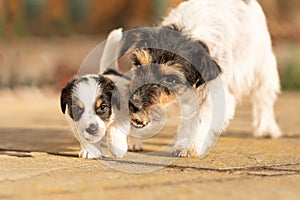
<point x="43" y="42"/>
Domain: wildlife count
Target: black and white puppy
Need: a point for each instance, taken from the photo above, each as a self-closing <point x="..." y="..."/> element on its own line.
<point x="208" y="54"/>
<point x="92" y="106"/>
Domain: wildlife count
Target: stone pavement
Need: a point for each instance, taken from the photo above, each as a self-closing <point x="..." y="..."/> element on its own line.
<point x="38" y="159"/>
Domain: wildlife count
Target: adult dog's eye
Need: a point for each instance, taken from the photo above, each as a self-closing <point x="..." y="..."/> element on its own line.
<point x="171" y="79"/>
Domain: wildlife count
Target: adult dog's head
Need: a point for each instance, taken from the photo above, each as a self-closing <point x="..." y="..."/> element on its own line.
<point x="88" y="102"/>
<point x="165" y="63"/>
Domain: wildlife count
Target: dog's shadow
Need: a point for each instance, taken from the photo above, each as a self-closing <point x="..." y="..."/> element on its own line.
<point x="20" y="142"/>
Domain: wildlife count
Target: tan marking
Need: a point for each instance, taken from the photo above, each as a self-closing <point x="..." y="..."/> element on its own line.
<point x="98" y="103"/>
<point x="107" y="123"/>
<point x="143" y="56"/>
<point x="80" y="104"/>
<point x="172" y="69"/>
<point x="164" y="98"/>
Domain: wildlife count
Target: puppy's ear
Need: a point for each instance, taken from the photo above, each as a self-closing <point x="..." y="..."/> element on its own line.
<point x="115" y="99"/>
<point x="66" y="95"/>
<point x="206" y="66"/>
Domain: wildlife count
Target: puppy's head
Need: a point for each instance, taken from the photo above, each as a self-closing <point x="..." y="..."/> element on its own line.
<point x="88" y="102"/>
<point x="165" y="64"/>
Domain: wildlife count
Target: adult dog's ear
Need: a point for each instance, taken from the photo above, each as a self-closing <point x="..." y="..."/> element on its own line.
<point x="130" y="39"/>
<point x="206" y="66"/>
<point x="66" y="95"/>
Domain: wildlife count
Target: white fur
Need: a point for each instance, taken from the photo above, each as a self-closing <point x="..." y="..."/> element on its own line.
<point x="110" y="52"/>
<point x="87" y="92"/>
<point x="238" y="39"/>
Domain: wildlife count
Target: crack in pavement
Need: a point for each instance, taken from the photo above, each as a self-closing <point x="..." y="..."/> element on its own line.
<point x="172" y="183"/>
<point x="272" y="170"/>
<point x="226" y="170"/>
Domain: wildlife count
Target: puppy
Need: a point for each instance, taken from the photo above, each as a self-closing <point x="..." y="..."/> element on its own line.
<point x="207" y="54"/>
<point x="92" y="106"/>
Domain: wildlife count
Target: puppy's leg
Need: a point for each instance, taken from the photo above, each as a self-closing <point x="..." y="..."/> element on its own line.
<point x="90" y="151"/>
<point x="134" y="144"/>
<point x="117" y="141"/>
<point x="264" y="95"/>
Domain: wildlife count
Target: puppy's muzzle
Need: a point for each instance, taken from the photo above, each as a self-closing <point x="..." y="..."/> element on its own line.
<point x="92" y="129"/>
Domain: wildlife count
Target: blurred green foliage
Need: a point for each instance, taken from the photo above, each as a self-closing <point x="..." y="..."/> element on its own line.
<point x="34" y="8"/>
<point x="291" y="76"/>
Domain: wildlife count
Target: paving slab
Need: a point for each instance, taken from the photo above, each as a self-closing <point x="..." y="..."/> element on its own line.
<point x="38" y="160"/>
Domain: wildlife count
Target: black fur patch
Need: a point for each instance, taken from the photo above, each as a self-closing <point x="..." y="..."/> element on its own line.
<point x="165" y="46"/>
<point x="169" y="45"/>
<point x="109" y="97"/>
<point x="116" y="73"/>
<point x="66" y="95"/>
<point x="110" y="92"/>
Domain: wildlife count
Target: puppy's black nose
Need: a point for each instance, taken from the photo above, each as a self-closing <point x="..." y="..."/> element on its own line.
<point x="92" y="129"/>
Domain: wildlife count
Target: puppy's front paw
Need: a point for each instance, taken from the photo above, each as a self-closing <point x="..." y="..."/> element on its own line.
<point x="183" y="152"/>
<point x="135" y="144"/>
<point x="84" y="153"/>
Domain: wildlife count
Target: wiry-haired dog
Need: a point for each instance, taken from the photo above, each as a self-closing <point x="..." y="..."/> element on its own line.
<point x="209" y="54"/>
<point x="92" y="106"/>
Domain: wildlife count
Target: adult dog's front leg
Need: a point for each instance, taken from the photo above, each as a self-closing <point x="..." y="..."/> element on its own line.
<point x="187" y="132"/>
<point x="194" y="137"/>
<point x="134" y="144"/>
<point x="186" y="137"/>
<point x="200" y="126"/>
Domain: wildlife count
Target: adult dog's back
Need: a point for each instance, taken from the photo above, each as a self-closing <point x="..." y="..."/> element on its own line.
<point x="237" y="36"/>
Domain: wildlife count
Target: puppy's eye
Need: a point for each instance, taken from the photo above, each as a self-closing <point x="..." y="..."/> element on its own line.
<point x="171" y="79"/>
<point x="77" y="112"/>
<point x="102" y="108"/>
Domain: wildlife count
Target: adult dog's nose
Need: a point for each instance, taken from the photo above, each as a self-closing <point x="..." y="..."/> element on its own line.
<point x="92" y="129"/>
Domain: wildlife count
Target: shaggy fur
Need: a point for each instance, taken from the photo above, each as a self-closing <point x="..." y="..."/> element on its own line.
<point x="208" y="54"/>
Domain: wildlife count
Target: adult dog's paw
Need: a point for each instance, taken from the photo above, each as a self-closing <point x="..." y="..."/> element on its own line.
<point x="183" y="152"/>
<point x="134" y="144"/>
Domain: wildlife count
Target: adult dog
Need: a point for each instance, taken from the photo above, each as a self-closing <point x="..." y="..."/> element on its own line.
<point x="208" y="54"/>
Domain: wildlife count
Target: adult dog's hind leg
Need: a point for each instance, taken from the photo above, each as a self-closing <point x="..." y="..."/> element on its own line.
<point x="264" y="95"/>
